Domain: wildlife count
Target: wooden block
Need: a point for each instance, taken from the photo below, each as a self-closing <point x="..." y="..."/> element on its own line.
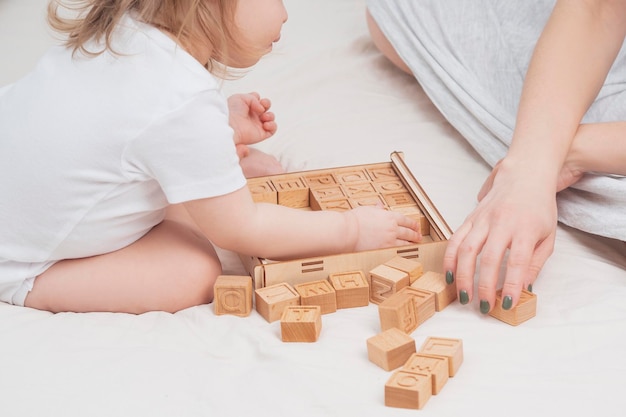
<point x="350" y="175"/>
<point x="318" y="196"/>
<point x="351" y="289"/>
<point x="271" y="301"/>
<point x="301" y="324"/>
<point x="393" y="186"/>
<point x="408" y="389"/>
<point x="406" y="309"/>
<point x="359" y="189"/>
<point x="385" y="281"/>
<point x="390" y="349"/>
<point x="399" y="199"/>
<point x="436" y="282"/>
<point x="321" y="179"/>
<point x="412" y="267"/>
<point x="452" y="349"/>
<point x="525" y="309"/>
<point x="436" y="366"/>
<point x="382" y="172"/>
<point x="262" y="191"/>
<point x="370" y="200"/>
<point x="232" y="295"/>
<point x="336" y="205"/>
<point x="292" y="191"/>
<point x="413" y="211"/>
<point x="318" y="293"/>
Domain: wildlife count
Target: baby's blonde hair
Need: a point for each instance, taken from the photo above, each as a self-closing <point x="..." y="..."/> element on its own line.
<point x="185" y="19"/>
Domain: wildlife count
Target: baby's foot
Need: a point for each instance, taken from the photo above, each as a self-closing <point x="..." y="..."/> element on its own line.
<point x="259" y="164"/>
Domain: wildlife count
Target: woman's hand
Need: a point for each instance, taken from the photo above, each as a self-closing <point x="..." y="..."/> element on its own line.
<point x="517" y="214"/>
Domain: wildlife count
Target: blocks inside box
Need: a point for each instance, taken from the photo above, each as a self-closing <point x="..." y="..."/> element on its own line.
<point x="340" y="189"/>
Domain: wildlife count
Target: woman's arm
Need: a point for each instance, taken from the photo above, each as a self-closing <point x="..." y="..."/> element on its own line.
<point x="517" y="209"/>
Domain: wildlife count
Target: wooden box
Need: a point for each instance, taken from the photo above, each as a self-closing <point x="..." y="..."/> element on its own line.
<point x="390" y="183"/>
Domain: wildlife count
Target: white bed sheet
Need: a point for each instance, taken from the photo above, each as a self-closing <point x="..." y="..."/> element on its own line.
<point x="338" y="102"/>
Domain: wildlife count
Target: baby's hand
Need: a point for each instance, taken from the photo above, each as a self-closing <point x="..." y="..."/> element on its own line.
<point x="250" y="118"/>
<point x="380" y="228"/>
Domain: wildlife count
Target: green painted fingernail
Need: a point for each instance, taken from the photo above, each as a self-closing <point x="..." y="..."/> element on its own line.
<point x="449" y="277"/>
<point x="463" y="297"/>
<point x="484" y="306"/>
<point x="530" y="287"/>
<point x="507" y="302"/>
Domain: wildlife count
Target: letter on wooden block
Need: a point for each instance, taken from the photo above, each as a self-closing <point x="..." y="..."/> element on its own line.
<point x="319" y="180"/>
<point x="452" y="349"/>
<point x="390" y="349"/>
<point x="262" y="191"/>
<point x="233" y="295"/>
<point x="525" y="309"/>
<point x="271" y="301"/>
<point x="436" y="282"/>
<point x="385" y="281"/>
<point x="301" y="324"/>
<point x="336" y="205"/>
<point x="411" y="267"/>
<point x="350" y="175"/>
<point x="319" y="196"/>
<point x="406" y="309"/>
<point x="393" y="186"/>
<point x="400" y="199"/>
<point x="292" y="192"/>
<point x="436" y="366"/>
<point x="408" y="389"/>
<point x="351" y="289"/>
<point x="360" y="189"/>
<point x="382" y="173"/>
<point x="370" y="200"/>
<point x="318" y="293"/>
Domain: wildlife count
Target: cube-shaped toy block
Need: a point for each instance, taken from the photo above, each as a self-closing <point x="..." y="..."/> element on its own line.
<point x="319" y="180"/>
<point x="368" y="200"/>
<point x="350" y="175"/>
<point x="408" y="389"/>
<point x="271" y="301"/>
<point x="436" y="366"/>
<point x="351" y="289"/>
<point x="412" y="267"/>
<point x="301" y="324"/>
<point x="390" y="349"/>
<point x="262" y="191"/>
<point x="452" y="349"/>
<point x="525" y="309"/>
<point x="414" y="212"/>
<point x="359" y="189"/>
<point x="336" y="205"/>
<point x="321" y="195"/>
<point x="381" y="173"/>
<point x="292" y="192"/>
<point x="399" y="199"/>
<point x="393" y="186"/>
<point x="406" y="309"/>
<point x="436" y="282"/>
<point x="385" y="281"/>
<point x="318" y="293"/>
<point x="232" y="294"/>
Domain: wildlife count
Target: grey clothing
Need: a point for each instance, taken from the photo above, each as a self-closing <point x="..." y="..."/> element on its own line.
<point x="471" y="56"/>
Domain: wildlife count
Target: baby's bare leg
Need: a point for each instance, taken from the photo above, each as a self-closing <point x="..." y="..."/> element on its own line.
<point x="383" y="44"/>
<point x="169" y="269"/>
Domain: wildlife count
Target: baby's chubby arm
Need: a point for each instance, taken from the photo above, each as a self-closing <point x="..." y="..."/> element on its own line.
<point x="235" y="222"/>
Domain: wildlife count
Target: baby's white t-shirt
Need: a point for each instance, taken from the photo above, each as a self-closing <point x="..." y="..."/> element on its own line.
<point x="93" y="149"/>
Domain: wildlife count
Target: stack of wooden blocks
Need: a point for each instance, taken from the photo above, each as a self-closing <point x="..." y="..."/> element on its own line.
<point x="422" y="374"/>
